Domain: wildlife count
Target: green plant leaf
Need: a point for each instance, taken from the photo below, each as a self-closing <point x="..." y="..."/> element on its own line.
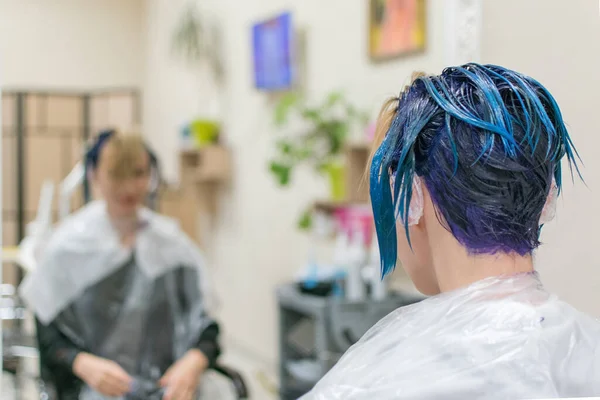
<point x="333" y="98"/>
<point x="323" y="167"/>
<point x="312" y="114"/>
<point x="351" y="111"/>
<point x="188" y="38"/>
<point x="305" y="220"/>
<point x="281" y="172"/>
<point x="327" y="128"/>
<point x="338" y="132"/>
<point x="284" y="107"/>
<point x="285" y="147"/>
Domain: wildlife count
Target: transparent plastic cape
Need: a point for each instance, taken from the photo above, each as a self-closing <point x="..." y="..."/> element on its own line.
<point x="84" y="249"/>
<point x="142" y="307"/>
<point x="501" y="338"/>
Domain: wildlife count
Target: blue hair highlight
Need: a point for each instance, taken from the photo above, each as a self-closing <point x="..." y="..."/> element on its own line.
<point x="487" y="142"/>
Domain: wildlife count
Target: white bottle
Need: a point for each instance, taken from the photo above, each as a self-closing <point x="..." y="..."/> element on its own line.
<point x="379" y="289"/>
<point x="357" y="258"/>
<point x="340" y="249"/>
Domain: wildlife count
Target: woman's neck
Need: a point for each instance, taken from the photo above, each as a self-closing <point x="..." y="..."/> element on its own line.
<point x="125" y="225"/>
<point x="456" y="268"/>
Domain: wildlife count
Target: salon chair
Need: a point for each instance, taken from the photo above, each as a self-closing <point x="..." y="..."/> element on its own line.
<point x="10" y="364"/>
<point x="17" y="345"/>
<point x="50" y="388"/>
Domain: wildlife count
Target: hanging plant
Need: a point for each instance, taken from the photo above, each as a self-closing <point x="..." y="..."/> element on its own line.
<point x="197" y="40"/>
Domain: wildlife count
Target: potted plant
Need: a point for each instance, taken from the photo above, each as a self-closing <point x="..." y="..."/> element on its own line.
<point x="197" y="42"/>
<point x="319" y="143"/>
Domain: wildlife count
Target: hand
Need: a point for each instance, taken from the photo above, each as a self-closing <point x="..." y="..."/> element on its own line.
<point x="104" y="376"/>
<point x="181" y="380"/>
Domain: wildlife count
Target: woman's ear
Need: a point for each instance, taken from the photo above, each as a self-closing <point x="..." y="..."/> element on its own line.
<point x="549" y="210"/>
<point x="415" y="210"/>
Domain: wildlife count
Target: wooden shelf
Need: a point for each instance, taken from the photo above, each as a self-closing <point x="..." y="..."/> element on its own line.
<point x="182" y="204"/>
<point x="357" y="183"/>
<point x="210" y="164"/>
<point x="195" y="199"/>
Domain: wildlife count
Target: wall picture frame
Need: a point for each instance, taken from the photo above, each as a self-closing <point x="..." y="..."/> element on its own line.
<point x="396" y="28"/>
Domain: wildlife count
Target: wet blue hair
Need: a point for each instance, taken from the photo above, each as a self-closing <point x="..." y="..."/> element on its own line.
<point x="487" y="143"/>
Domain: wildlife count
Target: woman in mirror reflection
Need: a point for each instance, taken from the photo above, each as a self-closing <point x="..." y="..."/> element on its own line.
<point x="120" y="292"/>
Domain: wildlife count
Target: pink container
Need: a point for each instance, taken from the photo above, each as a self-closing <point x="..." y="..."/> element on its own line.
<point x="349" y="219"/>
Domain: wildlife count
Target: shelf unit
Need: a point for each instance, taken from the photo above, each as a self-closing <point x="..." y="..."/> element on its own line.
<point x="321" y="329"/>
<point x="194" y="201"/>
<point x="356" y="160"/>
<point x="210" y="164"/>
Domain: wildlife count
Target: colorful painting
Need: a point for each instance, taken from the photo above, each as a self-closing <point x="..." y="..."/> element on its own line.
<point x="396" y="28"/>
<point x="272" y="43"/>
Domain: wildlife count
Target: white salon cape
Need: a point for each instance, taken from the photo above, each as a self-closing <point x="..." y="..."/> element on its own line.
<point x="142" y="307"/>
<point x="500" y="338"/>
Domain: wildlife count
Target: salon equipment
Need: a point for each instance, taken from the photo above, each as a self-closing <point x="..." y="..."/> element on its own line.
<point x="354" y="226"/>
<point x="17" y="344"/>
<point x="314" y="331"/>
<point x="323" y="288"/>
<point x="372" y="273"/>
<point x="186" y="141"/>
<point x="356" y="260"/>
<point x="305" y="371"/>
<point x="37" y="230"/>
<point x="354" y="219"/>
<point x="315" y="272"/>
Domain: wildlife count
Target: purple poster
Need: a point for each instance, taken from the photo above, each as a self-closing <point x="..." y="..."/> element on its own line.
<point x="273" y="68"/>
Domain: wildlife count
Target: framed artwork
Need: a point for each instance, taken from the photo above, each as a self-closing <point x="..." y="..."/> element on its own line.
<point x="272" y="53"/>
<point x="396" y="28"/>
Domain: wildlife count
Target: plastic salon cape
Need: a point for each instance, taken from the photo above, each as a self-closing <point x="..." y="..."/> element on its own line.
<point x="501" y="338"/>
<point x="142" y="307"/>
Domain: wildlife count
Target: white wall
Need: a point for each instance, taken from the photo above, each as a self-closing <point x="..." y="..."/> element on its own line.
<point x="559" y="45"/>
<point x="255" y="244"/>
<point x="71" y="43"/>
<point x="170" y="90"/>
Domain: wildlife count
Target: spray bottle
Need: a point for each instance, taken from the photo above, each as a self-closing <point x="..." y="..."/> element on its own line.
<point x="340" y="261"/>
<point x="357" y="258"/>
<point x="321" y="230"/>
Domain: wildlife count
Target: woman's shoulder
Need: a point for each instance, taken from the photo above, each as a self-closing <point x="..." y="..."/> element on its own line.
<point x="85" y="226"/>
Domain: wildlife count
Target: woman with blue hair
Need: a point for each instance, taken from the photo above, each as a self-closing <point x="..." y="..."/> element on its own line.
<point x="467" y="172"/>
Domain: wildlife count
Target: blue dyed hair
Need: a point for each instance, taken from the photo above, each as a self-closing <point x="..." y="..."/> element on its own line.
<point x="487" y="143"/>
